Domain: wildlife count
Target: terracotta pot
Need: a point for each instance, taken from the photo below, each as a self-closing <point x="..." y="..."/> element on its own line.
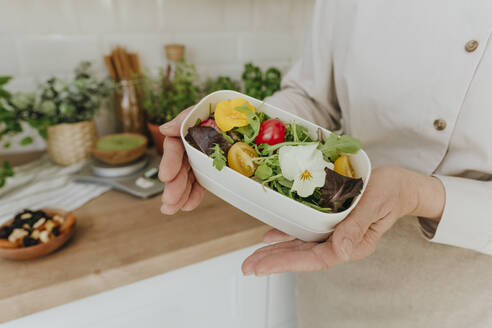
<point x="157" y="137"/>
<point x="70" y="143"/>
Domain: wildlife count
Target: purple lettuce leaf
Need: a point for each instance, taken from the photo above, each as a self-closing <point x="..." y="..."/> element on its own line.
<point x="204" y="137"/>
<point x="339" y="190"/>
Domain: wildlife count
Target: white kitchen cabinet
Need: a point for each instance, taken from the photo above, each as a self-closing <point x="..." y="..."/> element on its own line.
<point x="213" y="293"/>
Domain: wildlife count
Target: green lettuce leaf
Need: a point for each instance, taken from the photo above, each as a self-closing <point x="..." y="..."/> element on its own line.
<point x="219" y="158"/>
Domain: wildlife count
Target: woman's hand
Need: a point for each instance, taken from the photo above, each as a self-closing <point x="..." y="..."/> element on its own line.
<point x="182" y="191"/>
<point x="392" y="192"/>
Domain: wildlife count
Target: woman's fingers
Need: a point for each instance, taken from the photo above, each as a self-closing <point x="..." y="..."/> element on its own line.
<point x="174" y="208"/>
<point x="172" y="159"/>
<point x="174" y="189"/>
<point x="172" y="128"/>
<point x="181" y="191"/>
<point x="196" y="197"/>
<point x="249" y="265"/>
<point x="351" y="231"/>
<point x="292" y="256"/>
<point x="275" y="235"/>
<point x="289" y="261"/>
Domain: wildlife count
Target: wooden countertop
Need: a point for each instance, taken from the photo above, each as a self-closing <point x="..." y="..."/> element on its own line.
<point x="120" y="240"/>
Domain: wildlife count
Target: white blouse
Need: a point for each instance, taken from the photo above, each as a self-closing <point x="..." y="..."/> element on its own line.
<point x="415" y="85"/>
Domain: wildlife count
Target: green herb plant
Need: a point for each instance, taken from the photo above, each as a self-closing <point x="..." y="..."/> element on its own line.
<point x="163" y="99"/>
<point x="220" y="83"/>
<point x="258" y="84"/>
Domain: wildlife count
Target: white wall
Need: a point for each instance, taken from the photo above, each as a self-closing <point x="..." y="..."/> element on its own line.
<point x="39" y="38"/>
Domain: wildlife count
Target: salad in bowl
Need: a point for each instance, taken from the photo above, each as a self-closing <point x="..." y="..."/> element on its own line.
<point x="279" y="168"/>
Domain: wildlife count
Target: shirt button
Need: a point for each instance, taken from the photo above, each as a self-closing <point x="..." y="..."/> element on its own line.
<point x="471" y="46"/>
<point x="439" y="124"/>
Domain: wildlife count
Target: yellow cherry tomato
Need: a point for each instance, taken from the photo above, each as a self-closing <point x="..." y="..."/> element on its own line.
<point x="227" y="117"/>
<point x="343" y="167"/>
<point x="240" y="158"/>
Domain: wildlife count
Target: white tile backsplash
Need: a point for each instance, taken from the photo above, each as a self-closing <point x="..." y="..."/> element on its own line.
<point x="273" y="15"/>
<point x="95" y="16"/>
<point x="140" y="16"/>
<point x="46" y="37"/>
<point x="57" y="54"/>
<point x="216" y="48"/>
<point x="194" y="15"/>
<point x="12" y="16"/>
<point x="8" y="56"/>
<point x="268" y="47"/>
<point x="37" y="16"/>
<point x="42" y="38"/>
<point x="238" y="15"/>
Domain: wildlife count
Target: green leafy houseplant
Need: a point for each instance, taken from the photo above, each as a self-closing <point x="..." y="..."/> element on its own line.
<point x="258" y="84"/>
<point x="9" y="125"/>
<point x="9" y="119"/>
<point x="57" y="101"/>
<point x="163" y="99"/>
<point x="220" y="83"/>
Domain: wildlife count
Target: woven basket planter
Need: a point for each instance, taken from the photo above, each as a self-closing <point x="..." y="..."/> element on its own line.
<point x="70" y="143"/>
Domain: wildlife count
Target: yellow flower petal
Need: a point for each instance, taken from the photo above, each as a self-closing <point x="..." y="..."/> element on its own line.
<point x="227" y="117"/>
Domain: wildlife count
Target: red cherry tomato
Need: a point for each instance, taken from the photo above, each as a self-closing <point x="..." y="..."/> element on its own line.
<point x="272" y="132"/>
<point x="211" y="123"/>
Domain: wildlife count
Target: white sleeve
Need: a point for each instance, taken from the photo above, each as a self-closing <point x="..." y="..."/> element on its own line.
<point x="308" y="89"/>
<point x="467" y="218"/>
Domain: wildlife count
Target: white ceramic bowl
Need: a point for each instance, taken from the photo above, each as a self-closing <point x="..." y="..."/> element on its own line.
<point x="265" y="204"/>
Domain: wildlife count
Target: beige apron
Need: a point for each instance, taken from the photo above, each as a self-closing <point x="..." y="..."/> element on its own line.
<point x="407" y="282"/>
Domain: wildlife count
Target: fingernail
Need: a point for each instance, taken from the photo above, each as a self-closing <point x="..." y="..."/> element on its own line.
<point x="247" y="271"/>
<point x="167" y="125"/>
<point x="346" y="249"/>
<point x="164" y="209"/>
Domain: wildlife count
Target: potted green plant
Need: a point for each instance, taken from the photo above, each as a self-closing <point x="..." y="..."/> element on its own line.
<point x="10" y="125"/>
<point x="258" y="84"/>
<point x="164" y="98"/>
<point x="63" y="112"/>
<point x="220" y="83"/>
